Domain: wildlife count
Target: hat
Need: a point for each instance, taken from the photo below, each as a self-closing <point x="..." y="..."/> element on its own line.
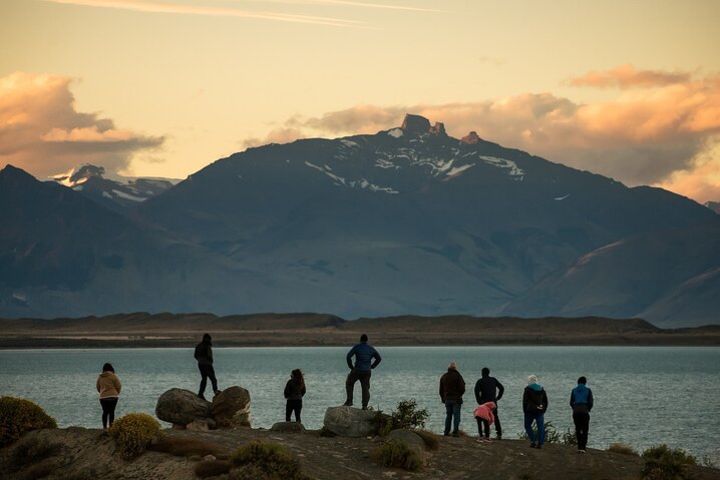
<point x="532" y="379"/>
<point x="453" y="365"/>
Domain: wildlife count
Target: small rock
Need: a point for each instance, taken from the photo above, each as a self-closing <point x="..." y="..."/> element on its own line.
<point x="288" y="427"/>
<point x="209" y="458"/>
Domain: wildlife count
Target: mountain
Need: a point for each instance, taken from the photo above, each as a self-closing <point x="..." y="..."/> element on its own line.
<point x="113" y="191"/>
<point x="408" y="220"/>
<point x="714" y="206"/>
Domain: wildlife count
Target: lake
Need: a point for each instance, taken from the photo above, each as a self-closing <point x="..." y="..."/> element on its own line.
<point x="643" y="395"/>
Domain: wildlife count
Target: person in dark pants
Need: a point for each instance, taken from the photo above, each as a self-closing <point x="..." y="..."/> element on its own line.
<point x="581" y="401"/>
<point x="366" y="359"/>
<point x="535" y="403"/>
<point x="488" y="389"/>
<point x="294" y="392"/>
<point x="204" y="357"/>
<point x="108" y="386"/>
<point x="452" y="388"/>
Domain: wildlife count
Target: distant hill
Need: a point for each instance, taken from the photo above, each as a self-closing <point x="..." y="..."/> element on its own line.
<point x="408" y="220"/>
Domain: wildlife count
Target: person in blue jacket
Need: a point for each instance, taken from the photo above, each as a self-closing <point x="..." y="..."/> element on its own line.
<point x="366" y="359"/>
<point x="581" y="401"/>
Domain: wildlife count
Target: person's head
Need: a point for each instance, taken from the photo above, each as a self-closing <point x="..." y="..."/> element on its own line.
<point x="363" y="338"/>
<point x="108" y="368"/>
<point x="485" y="371"/>
<point x="207" y="338"/>
<point x="582" y="381"/>
<point x="452" y="366"/>
<point x="297" y="375"/>
<point x="532" y="379"/>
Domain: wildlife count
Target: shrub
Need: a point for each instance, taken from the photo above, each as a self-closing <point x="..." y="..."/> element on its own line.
<point x="431" y="440"/>
<point x="212" y="468"/>
<point x="186" y="447"/>
<point x="30" y="451"/>
<point x="133" y="433"/>
<point x="622" y="449"/>
<point x="407" y="415"/>
<point x="665" y="463"/>
<point x="18" y="416"/>
<point x="551" y="433"/>
<point x="271" y="459"/>
<point x="396" y="453"/>
<point x="569" y="438"/>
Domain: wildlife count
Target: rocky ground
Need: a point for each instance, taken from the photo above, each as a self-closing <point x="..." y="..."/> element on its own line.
<point x="84" y="454"/>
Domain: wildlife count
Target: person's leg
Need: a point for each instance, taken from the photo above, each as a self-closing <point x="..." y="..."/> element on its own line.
<point x="365" y="384"/>
<point x="288" y="409"/>
<point x="213" y="379"/>
<point x="203" y="380"/>
<point x="104" y="413"/>
<point x="528" y="428"/>
<point x="298" y="409"/>
<point x="540" y="420"/>
<point x="448" y="416"/>
<point x="480" y="426"/>
<point x="456" y="418"/>
<point x="587" y="430"/>
<point x="350" y="386"/>
<point x="498" y="427"/>
<point x="578" y="429"/>
<point x="111" y="410"/>
<point x="584" y="424"/>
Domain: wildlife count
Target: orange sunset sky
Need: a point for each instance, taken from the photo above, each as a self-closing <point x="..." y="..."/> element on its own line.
<point x="163" y="87"/>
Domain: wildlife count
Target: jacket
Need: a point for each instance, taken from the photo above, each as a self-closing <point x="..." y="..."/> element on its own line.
<point x="203" y="353"/>
<point x="488" y="389"/>
<point x="485" y="412"/>
<point x="294" y="390"/>
<point x="535" y="399"/>
<point x="452" y="386"/>
<point x="581" y="399"/>
<point x="366" y="357"/>
<point x="108" y="385"/>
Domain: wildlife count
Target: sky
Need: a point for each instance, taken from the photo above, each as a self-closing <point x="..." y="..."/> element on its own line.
<point x="630" y="90"/>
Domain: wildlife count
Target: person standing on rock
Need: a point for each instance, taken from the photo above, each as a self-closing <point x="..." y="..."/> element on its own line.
<point x="294" y="392"/>
<point x="581" y="401"/>
<point x="535" y="403"/>
<point x="204" y="357"/>
<point x="108" y="386"/>
<point x="366" y="359"/>
<point x="488" y="389"/>
<point x="452" y="388"/>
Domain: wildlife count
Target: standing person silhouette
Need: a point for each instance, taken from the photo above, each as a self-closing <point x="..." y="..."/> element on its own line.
<point x="535" y="403"/>
<point x="204" y="357"/>
<point x="294" y="393"/>
<point x="366" y="359"/>
<point x="581" y="401"/>
<point x="108" y="386"/>
<point x="452" y="389"/>
<point x="488" y="389"/>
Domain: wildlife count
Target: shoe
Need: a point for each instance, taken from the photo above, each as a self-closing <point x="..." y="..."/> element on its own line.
<point x="217" y="392"/>
<point x="539" y="446"/>
<point x="347" y="404"/>
<point x="365" y="407"/>
<point x="582" y="451"/>
<point x="201" y="396"/>
<point x="456" y="434"/>
<point x="532" y="445"/>
<point x="499" y="437"/>
<point x="446" y="434"/>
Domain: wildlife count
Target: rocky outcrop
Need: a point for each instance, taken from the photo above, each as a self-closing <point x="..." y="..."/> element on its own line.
<point x="409" y="437"/>
<point x="288" y="427"/>
<point x="415" y="124"/>
<point x="231" y="408"/>
<point x="182" y="407"/>
<point x="471" y="138"/>
<point x="351" y="422"/>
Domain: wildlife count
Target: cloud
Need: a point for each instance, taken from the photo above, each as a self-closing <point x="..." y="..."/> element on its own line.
<point x="627" y="76"/>
<point x="645" y="136"/>
<point x="40" y="130"/>
<point x="701" y="181"/>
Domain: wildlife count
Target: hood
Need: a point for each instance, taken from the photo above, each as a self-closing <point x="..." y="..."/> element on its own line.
<point x="535" y="386"/>
<point x="106" y="374"/>
<point x="490" y="405"/>
<point x="581" y="387"/>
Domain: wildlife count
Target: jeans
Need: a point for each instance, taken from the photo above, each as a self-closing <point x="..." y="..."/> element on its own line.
<point x="364" y="378"/>
<point x="207" y="371"/>
<point x="483" y="427"/>
<point x="539" y="419"/>
<point x="108" y="410"/>
<point x="293" y="406"/>
<point x="582" y="425"/>
<point x="452" y="417"/>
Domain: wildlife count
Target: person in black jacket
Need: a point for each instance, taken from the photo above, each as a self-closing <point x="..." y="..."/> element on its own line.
<point x="581" y="401"/>
<point x="294" y="393"/>
<point x="204" y="357"/>
<point x="535" y="403"/>
<point x="488" y="389"/>
<point x="452" y="388"/>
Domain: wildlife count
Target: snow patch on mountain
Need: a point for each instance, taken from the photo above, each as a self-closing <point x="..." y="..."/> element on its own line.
<point x="396" y="132"/>
<point x="509" y="165"/>
<point x="362" y="183"/>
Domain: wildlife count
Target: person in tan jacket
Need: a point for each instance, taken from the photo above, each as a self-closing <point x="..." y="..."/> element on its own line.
<point x="108" y="385"/>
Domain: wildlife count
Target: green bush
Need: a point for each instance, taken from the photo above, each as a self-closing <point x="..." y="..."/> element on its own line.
<point x="212" y="468"/>
<point x="133" y="433"/>
<point x="18" y="416"/>
<point x="396" y="453"/>
<point x="29" y="451"/>
<point x="569" y="438"/>
<point x="665" y="463"/>
<point x="406" y="415"/>
<point x="622" y="449"/>
<point x="272" y="460"/>
<point x="551" y="433"/>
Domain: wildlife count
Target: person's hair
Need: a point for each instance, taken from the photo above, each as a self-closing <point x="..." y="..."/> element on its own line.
<point x="363" y="338"/>
<point x="582" y="380"/>
<point x="206" y="338"/>
<point x="108" y="368"/>
<point x="297" y="375"/>
<point x="485" y="371"/>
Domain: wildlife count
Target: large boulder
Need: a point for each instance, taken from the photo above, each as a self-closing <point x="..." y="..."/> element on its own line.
<point x="411" y="438"/>
<point x="351" y="422"/>
<point x="181" y="407"/>
<point x="231" y="408"/>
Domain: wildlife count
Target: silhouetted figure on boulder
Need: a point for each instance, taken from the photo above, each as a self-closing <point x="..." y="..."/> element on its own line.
<point x="366" y="359"/>
<point x="108" y="386"/>
<point x="488" y="389"/>
<point x="581" y="401"/>
<point x="204" y="357"/>
<point x="294" y="393"/>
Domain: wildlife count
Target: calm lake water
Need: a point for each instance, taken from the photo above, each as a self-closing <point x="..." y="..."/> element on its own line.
<point x="643" y="395"/>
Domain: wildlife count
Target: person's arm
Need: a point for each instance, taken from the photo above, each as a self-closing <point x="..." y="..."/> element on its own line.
<point x="209" y="354"/>
<point x="376" y="359"/>
<point x="116" y="382"/>
<point x="462" y="385"/>
<point x="286" y="392"/>
<point x="442" y="390"/>
<point x="572" y="398"/>
<point x="545" y="401"/>
<point x="477" y="392"/>
<point x="349" y="358"/>
<point x="197" y="352"/>
<point x="590" y="400"/>
<point x="97" y="384"/>
<point x="303" y="390"/>
<point x="500" y="390"/>
<point x="525" y="400"/>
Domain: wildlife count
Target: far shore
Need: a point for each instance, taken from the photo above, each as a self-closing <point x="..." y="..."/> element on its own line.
<point x="144" y="330"/>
